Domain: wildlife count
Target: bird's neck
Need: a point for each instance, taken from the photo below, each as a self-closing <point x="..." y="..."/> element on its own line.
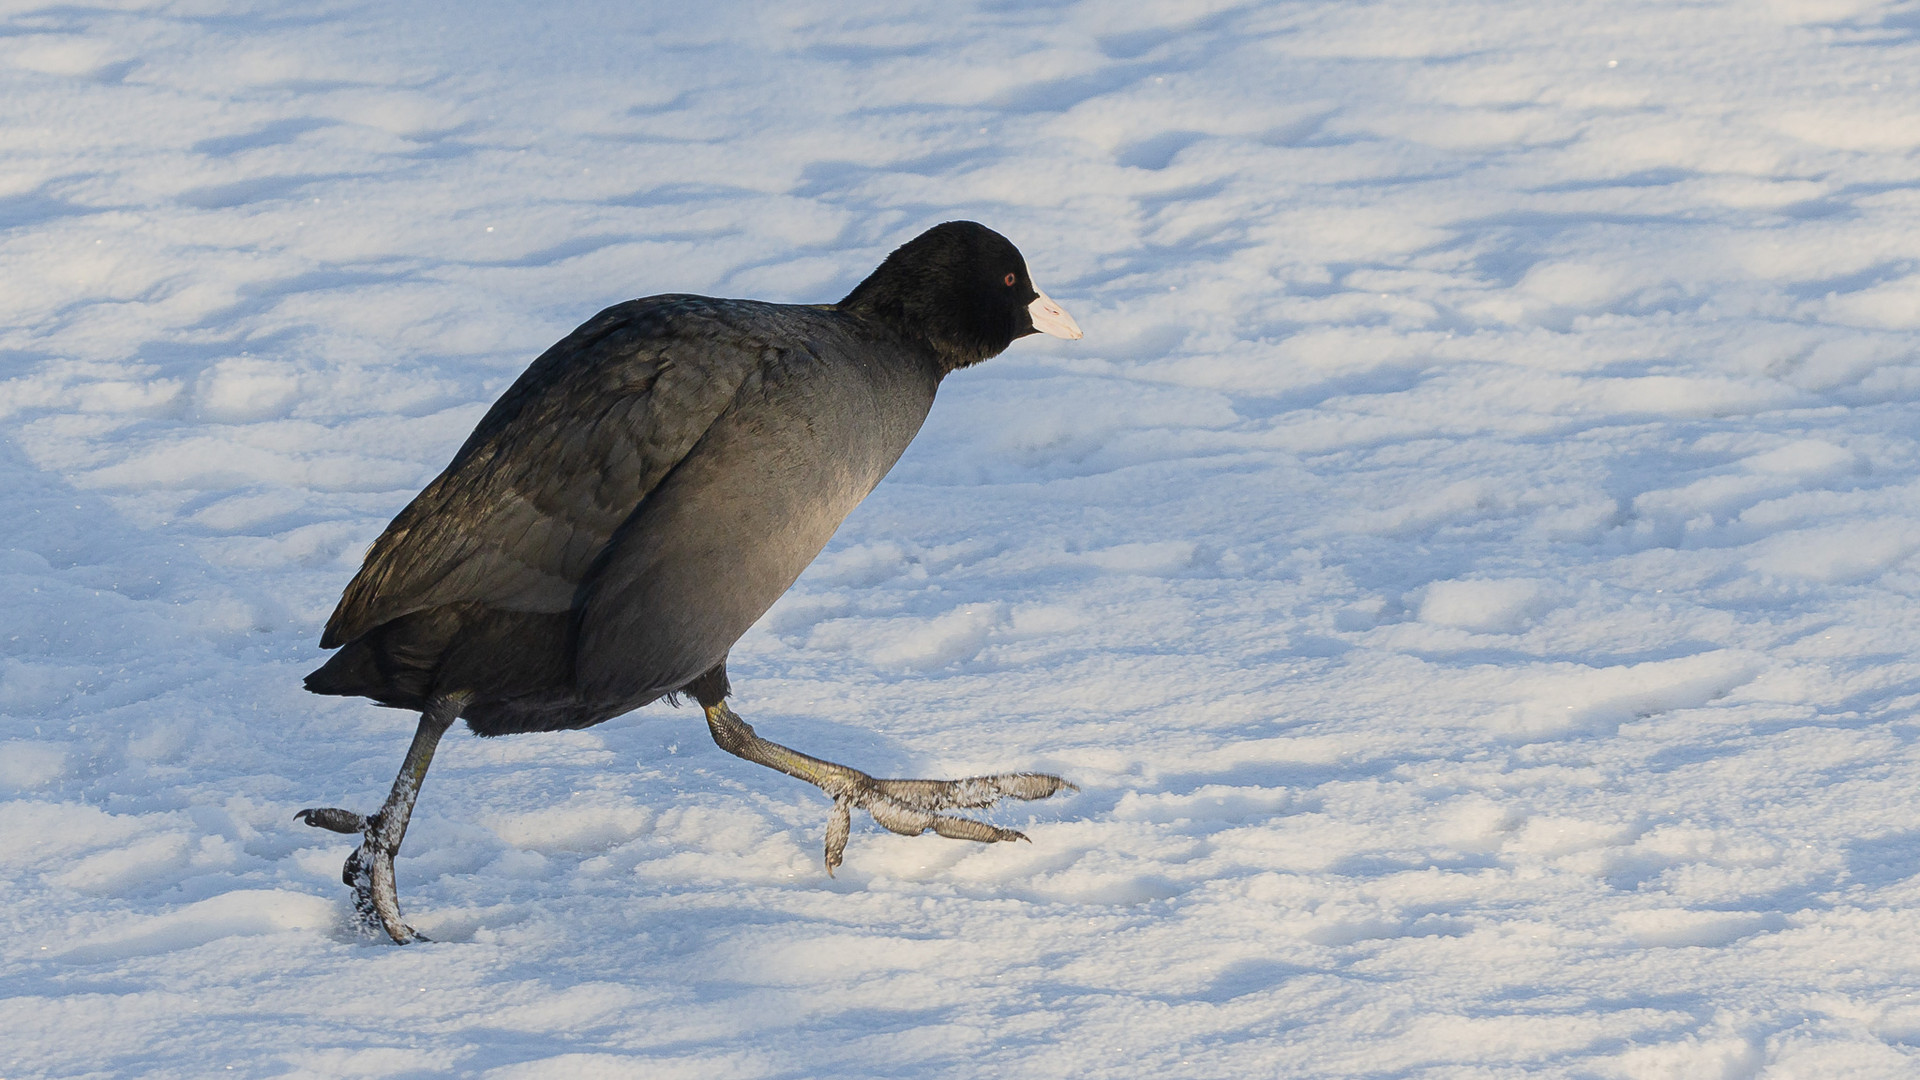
<point x="950" y="350"/>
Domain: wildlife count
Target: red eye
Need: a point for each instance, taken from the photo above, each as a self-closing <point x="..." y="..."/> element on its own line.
<point x="1009" y="279"/>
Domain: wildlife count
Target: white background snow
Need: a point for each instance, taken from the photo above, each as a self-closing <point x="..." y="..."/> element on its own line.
<point x="1470" y="564"/>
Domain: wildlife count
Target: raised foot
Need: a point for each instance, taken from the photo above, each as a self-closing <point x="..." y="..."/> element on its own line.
<point x="368" y="871"/>
<point x="909" y="807"/>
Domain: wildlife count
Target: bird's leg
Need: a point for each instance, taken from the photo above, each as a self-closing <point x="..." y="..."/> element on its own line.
<point x="903" y="806"/>
<point x="369" y="869"/>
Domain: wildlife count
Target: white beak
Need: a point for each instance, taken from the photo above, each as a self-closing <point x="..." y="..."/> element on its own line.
<point x="1049" y="319"/>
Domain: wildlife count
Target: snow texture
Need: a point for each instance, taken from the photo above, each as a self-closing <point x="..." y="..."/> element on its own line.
<point x="1470" y="566"/>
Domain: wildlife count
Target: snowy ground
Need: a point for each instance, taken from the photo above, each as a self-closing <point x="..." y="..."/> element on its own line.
<point x="1470" y="565"/>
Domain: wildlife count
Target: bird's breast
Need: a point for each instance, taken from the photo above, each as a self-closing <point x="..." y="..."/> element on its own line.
<point x="732" y="527"/>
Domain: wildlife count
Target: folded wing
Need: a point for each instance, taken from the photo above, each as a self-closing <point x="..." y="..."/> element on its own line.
<point x="517" y="519"/>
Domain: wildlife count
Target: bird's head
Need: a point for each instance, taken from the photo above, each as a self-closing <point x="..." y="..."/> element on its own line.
<point x="962" y="287"/>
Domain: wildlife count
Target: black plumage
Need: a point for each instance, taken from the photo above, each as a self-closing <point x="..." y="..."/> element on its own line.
<point x="639" y="497"/>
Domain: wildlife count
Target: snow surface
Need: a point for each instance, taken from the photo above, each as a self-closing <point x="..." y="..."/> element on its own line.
<point x="1470" y="564"/>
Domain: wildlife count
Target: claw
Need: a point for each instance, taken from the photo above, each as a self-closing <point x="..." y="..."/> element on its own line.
<point x="334" y="819"/>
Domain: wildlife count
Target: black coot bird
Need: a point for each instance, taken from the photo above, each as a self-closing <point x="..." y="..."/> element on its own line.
<point x="638" y="498"/>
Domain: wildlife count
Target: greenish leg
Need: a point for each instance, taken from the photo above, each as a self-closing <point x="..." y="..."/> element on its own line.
<point x="907" y="807"/>
<point x="369" y="869"/>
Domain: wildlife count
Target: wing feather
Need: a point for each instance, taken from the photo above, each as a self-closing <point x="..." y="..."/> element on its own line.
<point x="561" y="460"/>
